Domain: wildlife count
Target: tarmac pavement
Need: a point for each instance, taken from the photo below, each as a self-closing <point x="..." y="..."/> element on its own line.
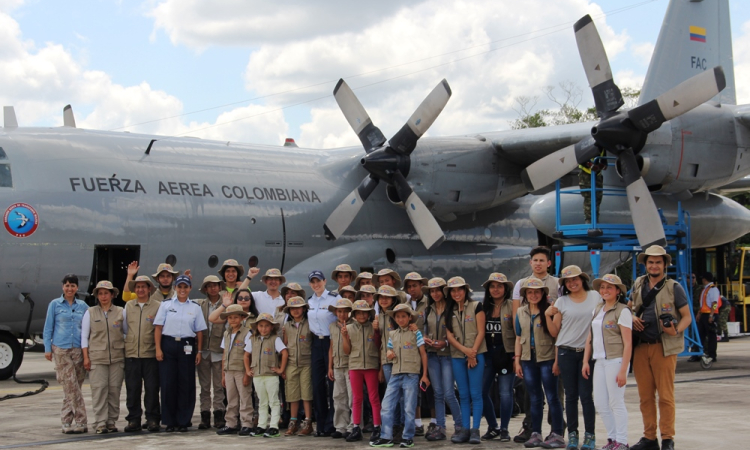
<point x="712" y="413"/>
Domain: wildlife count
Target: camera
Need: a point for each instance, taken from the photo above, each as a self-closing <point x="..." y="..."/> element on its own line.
<point x="667" y="320"/>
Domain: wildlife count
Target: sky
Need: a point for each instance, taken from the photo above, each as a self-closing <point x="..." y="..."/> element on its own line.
<point x="257" y="71"/>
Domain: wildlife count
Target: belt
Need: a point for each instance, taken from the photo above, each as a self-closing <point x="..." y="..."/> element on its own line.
<point x="323" y="337"/>
<point x="656" y="341"/>
<point x="177" y="339"/>
<point x="572" y="349"/>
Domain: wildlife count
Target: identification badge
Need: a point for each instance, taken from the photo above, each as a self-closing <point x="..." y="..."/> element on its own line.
<point x="188" y="349"/>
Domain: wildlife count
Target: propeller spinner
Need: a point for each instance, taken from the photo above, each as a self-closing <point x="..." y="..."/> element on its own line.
<point x="388" y="161"/>
<point x="622" y="133"/>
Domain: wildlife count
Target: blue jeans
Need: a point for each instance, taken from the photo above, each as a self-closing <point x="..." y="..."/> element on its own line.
<point x="505" y="387"/>
<point x="469" y="383"/>
<point x="441" y="379"/>
<point x="571" y="363"/>
<point x="536" y="375"/>
<point x="399" y="417"/>
<point x="402" y="390"/>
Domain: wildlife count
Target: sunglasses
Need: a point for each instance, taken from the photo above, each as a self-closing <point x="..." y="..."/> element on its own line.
<point x="243" y="299"/>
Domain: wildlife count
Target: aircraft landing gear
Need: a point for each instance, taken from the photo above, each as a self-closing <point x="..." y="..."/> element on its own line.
<point x="10" y="354"/>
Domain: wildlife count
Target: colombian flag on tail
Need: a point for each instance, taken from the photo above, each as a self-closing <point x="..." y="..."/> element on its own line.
<point x="697" y="34"/>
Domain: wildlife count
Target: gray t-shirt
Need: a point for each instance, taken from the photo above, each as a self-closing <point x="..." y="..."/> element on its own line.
<point x="576" y="319"/>
<point x="651" y="332"/>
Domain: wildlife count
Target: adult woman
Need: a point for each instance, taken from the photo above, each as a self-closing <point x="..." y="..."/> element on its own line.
<point x="498" y="361"/>
<point x="62" y="340"/>
<point x="465" y="333"/>
<point x="242" y="297"/>
<point x="103" y="345"/>
<point x="568" y="320"/>
<point x="610" y="344"/>
<point x="439" y="361"/>
<point x="536" y="362"/>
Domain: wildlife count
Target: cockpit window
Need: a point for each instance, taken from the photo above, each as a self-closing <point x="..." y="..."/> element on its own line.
<point x="2" y="154"/>
<point x="5" y="178"/>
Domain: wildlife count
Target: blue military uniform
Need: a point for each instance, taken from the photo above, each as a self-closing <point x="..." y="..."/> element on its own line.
<point x="319" y="318"/>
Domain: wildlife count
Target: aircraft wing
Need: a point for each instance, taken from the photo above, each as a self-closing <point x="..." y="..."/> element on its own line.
<point x="528" y="145"/>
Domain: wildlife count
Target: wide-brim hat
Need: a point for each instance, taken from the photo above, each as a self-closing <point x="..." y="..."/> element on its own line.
<point x="141" y="279"/>
<point x="572" y="272"/>
<point x="273" y="273"/>
<point x="434" y="283"/>
<point x="234" y="309"/>
<point x="403" y="307"/>
<point x="343" y="268"/>
<point x="414" y="276"/>
<point x="212" y="279"/>
<point x="295" y="302"/>
<point x="165" y="267"/>
<point x="366" y="288"/>
<point x="533" y="283"/>
<point x="295" y="287"/>
<point x="391" y="272"/>
<point x="611" y="279"/>
<point x="342" y="303"/>
<point x="361" y="305"/>
<point x="268" y="318"/>
<point x="360" y="277"/>
<point x="348" y="289"/>
<point x="497" y="277"/>
<point x="654" y="250"/>
<point x="387" y="291"/>
<point x="104" y="284"/>
<point x="232" y="263"/>
<point x="454" y="283"/>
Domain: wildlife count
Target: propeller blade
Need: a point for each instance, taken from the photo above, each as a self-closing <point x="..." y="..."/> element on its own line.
<point x="648" y="225"/>
<point x="424" y="222"/>
<point x="69" y="119"/>
<point x="344" y="214"/>
<point x="555" y="165"/>
<point x="607" y="96"/>
<point x="405" y="139"/>
<point x="678" y="100"/>
<point x="9" y="117"/>
<point x="370" y="135"/>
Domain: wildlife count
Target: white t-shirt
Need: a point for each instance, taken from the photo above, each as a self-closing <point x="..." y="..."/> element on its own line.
<point x="576" y="319"/>
<point x="597" y="339"/>
<point x="247" y="339"/>
<point x="279" y="345"/>
<point x="264" y="303"/>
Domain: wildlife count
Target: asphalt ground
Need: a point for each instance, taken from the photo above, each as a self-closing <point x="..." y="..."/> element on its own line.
<point x="713" y="408"/>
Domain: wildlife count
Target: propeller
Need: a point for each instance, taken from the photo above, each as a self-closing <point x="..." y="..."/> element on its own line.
<point x="388" y="161"/>
<point x="622" y="133"/>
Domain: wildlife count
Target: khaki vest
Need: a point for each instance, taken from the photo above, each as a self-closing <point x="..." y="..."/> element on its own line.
<point x="160" y="298"/>
<point x="465" y="329"/>
<point x="508" y="326"/>
<point x="611" y="333"/>
<point x="340" y="359"/>
<point x="106" y="341"/>
<point x="212" y="338"/>
<point x="544" y="343"/>
<point x="408" y="358"/>
<point x="298" y="343"/>
<point x="364" y="352"/>
<point x="421" y="311"/>
<point x="386" y="325"/>
<point x="435" y="329"/>
<point x="139" y="343"/>
<point x="663" y="304"/>
<point x="264" y="355"/>
<point x="234" y="351"/>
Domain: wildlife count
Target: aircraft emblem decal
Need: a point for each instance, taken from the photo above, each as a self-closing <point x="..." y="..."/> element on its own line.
<point x="21" y="220"/>
<point x="354" y="200"/>
<point x="418" y="121"/>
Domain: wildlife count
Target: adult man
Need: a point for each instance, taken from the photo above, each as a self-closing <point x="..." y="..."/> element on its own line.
<point x="661" y="313"/>
<point x="210" y="367"/>
<point x="707" y="316"/>
<point x="540" y="262"/>
<point x="269" y="301"/>
<point x="595" y="165"/>
<point x="141" y="367"/>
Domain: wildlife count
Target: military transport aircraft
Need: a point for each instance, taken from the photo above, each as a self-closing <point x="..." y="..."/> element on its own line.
<point x="89" y="202"/>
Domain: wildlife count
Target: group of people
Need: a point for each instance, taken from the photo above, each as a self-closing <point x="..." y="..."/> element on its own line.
<point x="369" y="356"/>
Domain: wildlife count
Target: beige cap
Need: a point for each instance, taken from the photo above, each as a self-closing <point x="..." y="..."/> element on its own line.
<point x="295" y="302"/>
<point x="414" y="276"/>
<point x="268" y="318"/>
<point x="273" y="273"/>
<point x="343" y="268"/>
<point x="498" y="277"/>
<point x="233" y="309"/>
<point x="360" y="277"/>
<point x="104" y="284"/>
<point x="342" y="303"/>
<point x="232" y="263"/>
<point x="165" y="267"/>
<point x="366" y="288"/>
<point x="293" y="287"/>
<point x="434" y="283"/>
<point x="212" y="279"/>
<point x="141" y="279"/>
<point x="654" y="250"/>
<point x="611" y="279"/>
<point x="454" y="283"/>
<point x="391" y="272"/>
<point x="572" y="272"/>
<point x="403" y="307"/>
<point x="361" y="305"/>
<point x="533" y="283"/>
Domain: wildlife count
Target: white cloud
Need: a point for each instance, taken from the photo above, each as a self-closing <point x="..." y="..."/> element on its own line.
<point x="642" y="52"/>
<point x="741" y="49"/>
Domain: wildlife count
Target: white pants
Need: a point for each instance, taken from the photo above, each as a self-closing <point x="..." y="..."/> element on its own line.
<point x="267" y="388"/>
<point x="609" y="399"/>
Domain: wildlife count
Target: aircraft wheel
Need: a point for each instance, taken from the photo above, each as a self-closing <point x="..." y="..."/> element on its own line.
<point x="706" y="362"/>
<point x="10" y="354"/>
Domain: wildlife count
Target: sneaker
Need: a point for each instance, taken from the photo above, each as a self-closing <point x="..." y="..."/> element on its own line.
<point x="523" y="435"/>
<point x="245" y="431"/>
<point x="572" y="440"/>
<point x="504" y="436"/>
<point x="491" y="433"/>
<point x="67" y="429"/>
<point x="80" y="428"/>
<point x="257" y="432"/>
<point x="611" y="445"/>
<point x="356" y="435"/>
<point x="408" y="443"/>
<point x="438" y="434"/>
<point x="375" y="434"/>
<point x="554" y="440"/>
<point x="535" y="440"/>
<point x="306" y="428"/>
<point x="589" y="442"/>
<point x="419" y="431"/>
<point x="461" y="436"/>
<point x="292" y="428"/>
<point x="101" y="429"/>
<point x="226" y="431"/>
<point x="430" y="428"/>
<point x="619" y="446"/>
<point x="271" y="433"/>
<point x="382" y="443"/>
<point x="474" y="436"/>
<point x="134" y="425"/>
<point x="646" y="444"/>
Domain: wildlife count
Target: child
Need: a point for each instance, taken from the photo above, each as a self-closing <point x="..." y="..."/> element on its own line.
<point x="536" y="361"/>
<point x="610" y="344"/>
<point x="343" y="275"/>
<point x="338" y="371"/>
<point x="298" y="339"/>
<point x="367" y="293"/>
<point x="233" y="376"/>
<point x="363" y="279"/>
<point x="263" y="365"/>
<point x="361" y="343"/>
<point x="407" y="354"/>
<point x="348" y="293"/>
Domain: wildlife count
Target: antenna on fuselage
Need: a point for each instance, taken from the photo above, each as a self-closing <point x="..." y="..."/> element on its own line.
<point x="9" y="117"/>
<point x="69" y="119"/>
<point x="148" y="150"/>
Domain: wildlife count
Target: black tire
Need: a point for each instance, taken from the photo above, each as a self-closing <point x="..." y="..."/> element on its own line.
<point x="10" y="354"/>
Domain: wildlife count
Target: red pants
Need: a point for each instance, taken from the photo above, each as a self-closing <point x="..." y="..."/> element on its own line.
<point x="369" y="376"/>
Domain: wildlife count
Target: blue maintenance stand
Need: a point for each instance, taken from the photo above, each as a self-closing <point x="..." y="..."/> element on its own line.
<point x="599" y="237"/>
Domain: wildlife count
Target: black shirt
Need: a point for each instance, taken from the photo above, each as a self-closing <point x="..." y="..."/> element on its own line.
<point x="651" y="331"/>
